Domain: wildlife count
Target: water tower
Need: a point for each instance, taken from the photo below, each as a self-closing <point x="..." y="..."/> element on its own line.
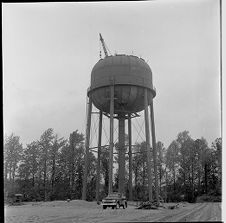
<point x="121" y="86"/>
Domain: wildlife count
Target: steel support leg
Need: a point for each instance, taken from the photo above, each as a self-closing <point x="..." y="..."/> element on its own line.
<point x="130" y="159"/>
<point x="88" y="124"/>
<point x="148" y="144"/>
<point x="111" y="139"/>
<point x="154" y="151"/>
<point x="121" y="138"/>
<point x="98" y="157"/>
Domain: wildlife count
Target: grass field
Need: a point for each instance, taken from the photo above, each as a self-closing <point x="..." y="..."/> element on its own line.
<point x="83" y="211"/>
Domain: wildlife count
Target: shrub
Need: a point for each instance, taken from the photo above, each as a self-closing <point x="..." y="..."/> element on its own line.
<point x="208" y="198"/>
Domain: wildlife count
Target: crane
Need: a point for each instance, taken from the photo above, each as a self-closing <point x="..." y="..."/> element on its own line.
<point x="103" y="45"/>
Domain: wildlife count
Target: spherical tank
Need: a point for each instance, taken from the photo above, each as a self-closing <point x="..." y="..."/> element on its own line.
<point x="130" y="75"/>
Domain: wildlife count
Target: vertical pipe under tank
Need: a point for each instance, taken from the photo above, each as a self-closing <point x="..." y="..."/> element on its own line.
<point x="130" y="158"/>
<point x="121" y="153"/>
<point x="111" y="139"/>
<point x="98" y="156"/>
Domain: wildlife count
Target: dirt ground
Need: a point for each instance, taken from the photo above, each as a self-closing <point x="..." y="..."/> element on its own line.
<point x="82" y="211"/>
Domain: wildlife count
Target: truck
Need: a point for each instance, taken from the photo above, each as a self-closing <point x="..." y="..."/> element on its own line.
<point x="114" y="200"/>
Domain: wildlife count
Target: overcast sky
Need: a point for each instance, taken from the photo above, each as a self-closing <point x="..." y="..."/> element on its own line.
<point x="49" y="50"/>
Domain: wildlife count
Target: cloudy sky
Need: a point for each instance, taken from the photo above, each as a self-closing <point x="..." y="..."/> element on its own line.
<point x="49" y="50"/>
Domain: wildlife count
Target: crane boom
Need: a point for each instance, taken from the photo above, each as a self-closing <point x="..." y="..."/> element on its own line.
<point x="103" y="45"/>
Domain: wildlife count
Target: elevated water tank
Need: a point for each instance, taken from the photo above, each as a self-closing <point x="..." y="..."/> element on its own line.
<point x="130" y="76"/>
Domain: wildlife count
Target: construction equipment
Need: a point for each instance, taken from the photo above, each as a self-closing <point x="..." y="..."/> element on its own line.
<point x="103" y="45"/>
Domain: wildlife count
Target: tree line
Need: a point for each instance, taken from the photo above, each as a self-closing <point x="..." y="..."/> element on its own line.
<point x="187" y="169"/>
<point x="51" y="168"/>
